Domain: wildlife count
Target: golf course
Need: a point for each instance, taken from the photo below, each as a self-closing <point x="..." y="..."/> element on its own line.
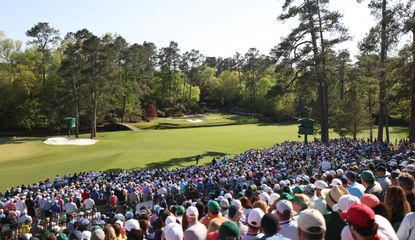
<point x="26" y="160"/>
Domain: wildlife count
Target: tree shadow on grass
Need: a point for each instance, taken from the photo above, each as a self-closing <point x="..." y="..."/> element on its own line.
<point x="18" y="140"/>
<point x="181" y="162"/>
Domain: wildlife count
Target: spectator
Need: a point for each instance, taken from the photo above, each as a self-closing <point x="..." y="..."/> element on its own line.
<point x="254" y="224"/>
<point x="406" y="181"/>
<point x="395" y="201"/>
<point x="195" y="229"/>
<point x="284" y="214"/>
<point x="355" y="188"/>
<point x="270" y="228"/>
<point x="311" y="225"/>
<point x="372" y="186"/>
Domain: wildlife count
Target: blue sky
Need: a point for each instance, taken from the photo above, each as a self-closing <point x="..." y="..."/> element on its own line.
<point x="214" y="27"/>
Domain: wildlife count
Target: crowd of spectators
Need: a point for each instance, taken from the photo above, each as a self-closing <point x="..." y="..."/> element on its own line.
<point x="344" y="189"/>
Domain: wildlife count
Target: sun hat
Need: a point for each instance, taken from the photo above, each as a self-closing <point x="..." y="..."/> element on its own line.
<point x="332" y="195"/>
<point x="311" y="221"/>
<point x="254" y="217"/>
<point x="345" y="202"/>
<point x="369" y="200"/>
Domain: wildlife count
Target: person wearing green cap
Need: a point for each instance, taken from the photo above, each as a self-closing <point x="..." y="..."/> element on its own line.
<point x="213" y="219"/>
<point x="372" y="186"/>
<point x="179" y="213"/>
<point x="229" y="230"/>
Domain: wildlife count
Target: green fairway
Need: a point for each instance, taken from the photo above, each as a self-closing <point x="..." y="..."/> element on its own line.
<point x="27" y="160"/>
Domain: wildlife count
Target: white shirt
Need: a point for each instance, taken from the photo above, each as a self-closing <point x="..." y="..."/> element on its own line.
<point x="70" y="207"/>
<point x="407" y="229"/>
<point x="289" y="229"/>
<point x="385" y="230"/>
<point x="89" y="203"/>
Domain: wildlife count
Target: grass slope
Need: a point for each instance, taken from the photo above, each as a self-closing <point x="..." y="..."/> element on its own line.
<point x="23" y="161"/>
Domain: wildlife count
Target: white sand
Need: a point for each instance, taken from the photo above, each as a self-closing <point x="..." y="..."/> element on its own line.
<point x="65" y="141"/>
<point x="195" y="120"/>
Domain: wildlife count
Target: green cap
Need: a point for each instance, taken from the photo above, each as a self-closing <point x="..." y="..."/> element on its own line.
<point x="367" y="175"/>
<point x="96" y="227"/>
<point x="62" y="236"/>
<point x="180" y="210"/>
<point x="213" y="206"/>
<point x="298" y="189"/>
<point x="305" y="182"/>
<point x="253" y="187"/>
<point x="286" y="196"/>
<point x="239" y="195"/>
<point x="295" y="199"/>
<point x="229" y="229"/>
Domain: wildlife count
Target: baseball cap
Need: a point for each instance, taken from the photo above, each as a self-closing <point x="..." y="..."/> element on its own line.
<point x="369" y="200"/>
<point x="360" y="215"/>
<point x="192" y="211"/>
<point x="367" y="175"/>
<point x="180" y="210"/>
<point x="173" y="231"/>
<point x="213" y="206"/>
<point x="335" y="182"/>
<point x="233" y="209"/>
<point x="224" y="203"/>
<point x="229" y="229"/>
<point x="311" y="221"/>
<point x="255" y="216"/>
<point x="320" y="184"/>
<point x="284" y="205"/>
<point x="132" y="224"/>
<point x="345" y="202"/>
<point x="273" y="197"/>
<point x="264" y="196"/>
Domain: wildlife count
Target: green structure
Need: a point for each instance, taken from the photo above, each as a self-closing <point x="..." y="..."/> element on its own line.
<point x="306" y="127"/>
<point x="70" y="123"/>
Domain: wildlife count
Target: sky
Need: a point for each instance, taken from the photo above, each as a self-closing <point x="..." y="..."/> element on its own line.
<point x="214" y="27"/>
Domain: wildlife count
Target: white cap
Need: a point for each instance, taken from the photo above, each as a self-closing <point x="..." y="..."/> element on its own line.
<point x="237" y="202"/>
<point x="339" y="172"/>
<point x="119" y="222"/>
<point x="86" y="235"/>
<point x="321" y="184"/>
<point x="170" y="219"/>
<point x="320" y="205"/>
<point x="268" y="190"/>
<point x="264" y="197"/>
<point x="224" y="203"/>
<point x="132" y="224"/>
<point x="255" y="217"/>
<point x="227" y="196"/>
<point x="192" y="211"/>
<point x="335" y="182"/>
<point x="284" y="205"/>
<point x="345" y="202"/>
<point x="273" y="197"/>
<point x="120" y="217"/>
<point x="311" y="218"/>
<point x="173" y="231"/>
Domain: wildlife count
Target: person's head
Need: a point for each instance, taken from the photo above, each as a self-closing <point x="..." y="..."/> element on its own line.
<point x="395" y="201"/>
<point x="368" y="178"/>
<point x="254" y="218"/>
<point x="269" y="224"/>
<point x="284" y="210"/>
<point x="406" y="181"/>
<point x="262" y="205"/>
<point x="213" y="207"/>
<point x="351" y="177"/>
<point x="361" y="220"/>
<point x="229" y="230"/>
<point x="381" y="170"/>
<point x="311" y="225"/>
<point x="173" y="231"/>
<point x="333" y="195"/>
<point x="301" y="202"/>
<point x="192" y="214"/>
<point x="246" y="203"/>
<point x="319" y="186"/>
<point x="345" y="202"/>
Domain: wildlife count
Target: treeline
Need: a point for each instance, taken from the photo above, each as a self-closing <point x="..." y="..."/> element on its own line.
<point x="106" y="79"/>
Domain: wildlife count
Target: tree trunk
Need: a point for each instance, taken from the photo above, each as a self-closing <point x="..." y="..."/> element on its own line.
<point x="75" y="93"/>
<point x="412" y="122"/>
<point x="124" y="103"/>
<point x="322" y="76"/>
<point x="94" y="117"/>
<point x="370" y="116"/>
<point x="387" y="125"/>
<point x="190" y="94"/>
<point x="383" y="56"/>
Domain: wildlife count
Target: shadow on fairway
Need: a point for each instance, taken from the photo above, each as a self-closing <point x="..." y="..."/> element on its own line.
<point x="180" y="162"/>
<point x="18" y="140"/>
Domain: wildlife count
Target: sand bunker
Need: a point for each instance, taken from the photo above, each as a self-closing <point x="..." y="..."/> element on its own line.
<point x="195" y="120"/>
<point x="65" y="141"/>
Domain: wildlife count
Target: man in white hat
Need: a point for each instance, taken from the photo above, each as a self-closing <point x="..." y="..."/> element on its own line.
<point x="195" y="230"/>
<point x="284" y="213"/>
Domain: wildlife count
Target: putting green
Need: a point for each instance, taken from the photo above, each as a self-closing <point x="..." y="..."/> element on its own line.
<point x="25" y="160"/>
